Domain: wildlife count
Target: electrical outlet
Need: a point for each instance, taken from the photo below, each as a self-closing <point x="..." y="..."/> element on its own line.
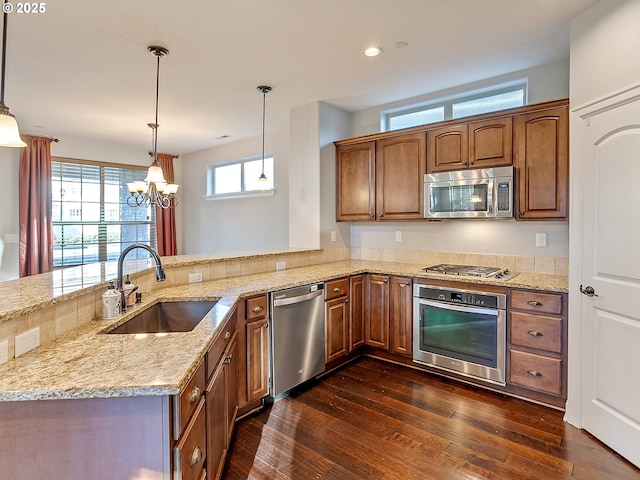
<point x="281" y="265"/>
<point x="195" y="277"/>
<point x="4" y="352"/>
<point x="398" y="235"/>
<point x="541" y="239"/>
<point x="27" y="341"/>
<point x="333" y="235"/>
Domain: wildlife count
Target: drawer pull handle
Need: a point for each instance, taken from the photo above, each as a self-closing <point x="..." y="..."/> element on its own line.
<point x="196" y="456"/>
<point x="257" y="309"/>
<point x="534" y="373"/>
<point x="337" y="289"/>
<point x="534" y="303"/>
<point x="534" y="333"/>
<point x="227" y="335"/>
<point x="195" y="394"/>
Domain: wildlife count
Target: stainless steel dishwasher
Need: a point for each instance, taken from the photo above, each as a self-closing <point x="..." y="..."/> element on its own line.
<point x="296" y="336"/>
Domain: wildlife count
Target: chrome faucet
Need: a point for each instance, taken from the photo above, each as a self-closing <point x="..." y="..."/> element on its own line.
<point x="160" y="276"/>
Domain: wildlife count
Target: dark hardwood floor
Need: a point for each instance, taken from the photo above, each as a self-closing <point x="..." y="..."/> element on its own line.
<point x="374" y="420"/>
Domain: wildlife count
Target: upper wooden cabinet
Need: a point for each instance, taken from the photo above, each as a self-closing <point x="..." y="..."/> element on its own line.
<point x="542" y="164"/>
<point x="381" y="180"/>
<point x="487" y="143"/>
<point x="355" y="181"/>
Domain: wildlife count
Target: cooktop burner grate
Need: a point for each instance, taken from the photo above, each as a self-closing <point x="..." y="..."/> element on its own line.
<point x="466" y="270"/>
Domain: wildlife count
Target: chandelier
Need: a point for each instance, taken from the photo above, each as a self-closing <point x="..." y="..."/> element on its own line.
<point x="154" y="189"/>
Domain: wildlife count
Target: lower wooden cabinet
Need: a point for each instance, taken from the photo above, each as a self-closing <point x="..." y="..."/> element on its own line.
<point x="190" y="453"/>
<point x="377" y="312"/>
<point x="537" y="353"/>
<point x="336" y="327"/>
<point x="401" y="316"/>
<point x="357" y="309"/>
<point x="257" y="360"/>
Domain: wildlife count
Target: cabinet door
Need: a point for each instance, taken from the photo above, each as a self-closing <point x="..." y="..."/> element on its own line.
<point x="542" y="162"/>
<point x="401" y="320"/>
<point x="355" y="181"/>
<point x="356" y="312"/>
<point x="231" y="385"/>
<point x="491" y="143"/>
<point x="336" y="324"/>
<point x="377" y="313"/>
<point x="448" y="148"/>
<point x="257" y="359"/>
<point x="216" y="405"/>
<point x="400" y="167"/>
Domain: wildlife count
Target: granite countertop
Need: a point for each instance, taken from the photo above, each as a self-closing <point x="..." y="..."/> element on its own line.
<point x="86" y="363"/>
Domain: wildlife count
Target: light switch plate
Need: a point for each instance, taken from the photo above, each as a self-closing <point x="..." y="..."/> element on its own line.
<point x="398" y="235"/>
<point x="281" y="265"/>
<point x="333" y="235"/>
<point x="4" y="352"/>
<point x="541" y="239"/>
<point x="27" y="341"/>
<point x="195" y="277"/>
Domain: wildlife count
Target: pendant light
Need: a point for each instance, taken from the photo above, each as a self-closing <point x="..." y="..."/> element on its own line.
<point x="9" y="133"/>
<point x="154" y="188"/>
<point x="263" y="89"/>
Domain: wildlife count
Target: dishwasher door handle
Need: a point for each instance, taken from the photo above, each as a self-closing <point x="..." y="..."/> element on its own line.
<point x="297" y="299"/>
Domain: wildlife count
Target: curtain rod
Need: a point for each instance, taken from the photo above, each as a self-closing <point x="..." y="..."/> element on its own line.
<point x="174" y="156"/>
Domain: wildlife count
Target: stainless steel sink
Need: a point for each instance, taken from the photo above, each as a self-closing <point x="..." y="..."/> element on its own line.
<point x="167" y="317"/>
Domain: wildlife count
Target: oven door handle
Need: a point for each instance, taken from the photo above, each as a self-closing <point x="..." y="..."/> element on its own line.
<point x="460" y="308"/>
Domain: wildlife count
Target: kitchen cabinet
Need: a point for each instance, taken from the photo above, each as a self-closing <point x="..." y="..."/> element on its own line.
<point x="257" y="349"/>
<point x="542" y="164"/>
<point x="479" y="144"/>
<point x="222" y="407"/>
<point x="401" y="316"/>
<point x="357" y="309"/>
<point x="336" y="319"/>
<point x="377" y="312"/>
<point x="537" y="345"/>
<point x="381" y="180"/>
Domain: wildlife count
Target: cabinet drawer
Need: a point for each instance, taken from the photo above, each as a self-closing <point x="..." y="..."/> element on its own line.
<point x="536" y="372"/>
<point x="537" y="302"/>
<point x="336" y="288"/>
<point x="536" y="331"/>
<point x="191" y="451"/>
<point x="187" y="402"/>
<point x="257" y="307"/>
<point x="215" y="352"/>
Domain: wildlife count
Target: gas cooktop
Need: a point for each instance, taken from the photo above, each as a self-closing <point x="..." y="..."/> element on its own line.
<point x="470" y="271"/>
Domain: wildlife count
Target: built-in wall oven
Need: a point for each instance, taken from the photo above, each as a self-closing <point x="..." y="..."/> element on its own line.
<point x="461" y="331"/>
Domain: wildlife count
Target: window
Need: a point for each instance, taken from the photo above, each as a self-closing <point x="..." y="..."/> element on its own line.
<point x="91" y="219"/>
<point x="240" y="178"/>
<point x="464" y="106"/>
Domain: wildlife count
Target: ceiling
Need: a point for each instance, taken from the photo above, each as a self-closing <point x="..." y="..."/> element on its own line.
<point x="82" y="69"/>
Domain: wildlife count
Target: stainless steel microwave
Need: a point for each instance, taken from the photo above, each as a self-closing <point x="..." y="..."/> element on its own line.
<point x="474" y="193"/>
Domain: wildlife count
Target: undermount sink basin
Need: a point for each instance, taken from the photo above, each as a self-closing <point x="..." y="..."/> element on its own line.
<point x="167" y="317"/>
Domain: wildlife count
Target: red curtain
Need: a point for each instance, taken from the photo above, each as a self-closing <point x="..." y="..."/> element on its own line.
<point x="36" y="234"/>
<point x="166" y="218"/>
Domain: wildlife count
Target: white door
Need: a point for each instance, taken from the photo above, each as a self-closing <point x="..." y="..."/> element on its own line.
<point x="610" y="157"/>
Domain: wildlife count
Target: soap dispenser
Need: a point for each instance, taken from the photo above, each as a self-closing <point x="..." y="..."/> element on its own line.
<point x="111" y="302"/>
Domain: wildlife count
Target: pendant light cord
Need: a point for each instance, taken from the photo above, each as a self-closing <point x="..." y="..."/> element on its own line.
<point x="155" y="130"/>
<point x="264" y="101"/>
<point x="4" y="53"/>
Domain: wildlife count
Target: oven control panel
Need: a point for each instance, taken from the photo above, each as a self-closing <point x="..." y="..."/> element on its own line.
<point x="465" y="297"/>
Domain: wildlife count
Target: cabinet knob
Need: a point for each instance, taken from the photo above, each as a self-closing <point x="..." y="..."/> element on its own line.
<point x="534" y="303"/>
<point x="196" y="456"/>
<point x="534" y="333"/>
<point x="521" y="212"/>
<point x="195" y="394"/>
<point x="227" y="335"/>
<point x="534" y="373"/>
<point x="337" y="289"/>
<point x="266" y="325"/>
<point x="257" y="309"/>
<point x="227" y="361"/>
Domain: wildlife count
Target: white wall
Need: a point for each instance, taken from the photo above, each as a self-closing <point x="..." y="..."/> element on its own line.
<point x="238" y="224"/>
<point x="546" y="82"/>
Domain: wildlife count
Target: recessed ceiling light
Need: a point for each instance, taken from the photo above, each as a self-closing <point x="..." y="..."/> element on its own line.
<point x="373" y="51"/>
<point x="401" y="44"/>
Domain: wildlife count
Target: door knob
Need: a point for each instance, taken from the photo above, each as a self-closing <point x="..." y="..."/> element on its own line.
<point x="588" y="291"/>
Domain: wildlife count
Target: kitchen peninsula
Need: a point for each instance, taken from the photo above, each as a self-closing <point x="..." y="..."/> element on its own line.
<point x="140" y="375"/>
